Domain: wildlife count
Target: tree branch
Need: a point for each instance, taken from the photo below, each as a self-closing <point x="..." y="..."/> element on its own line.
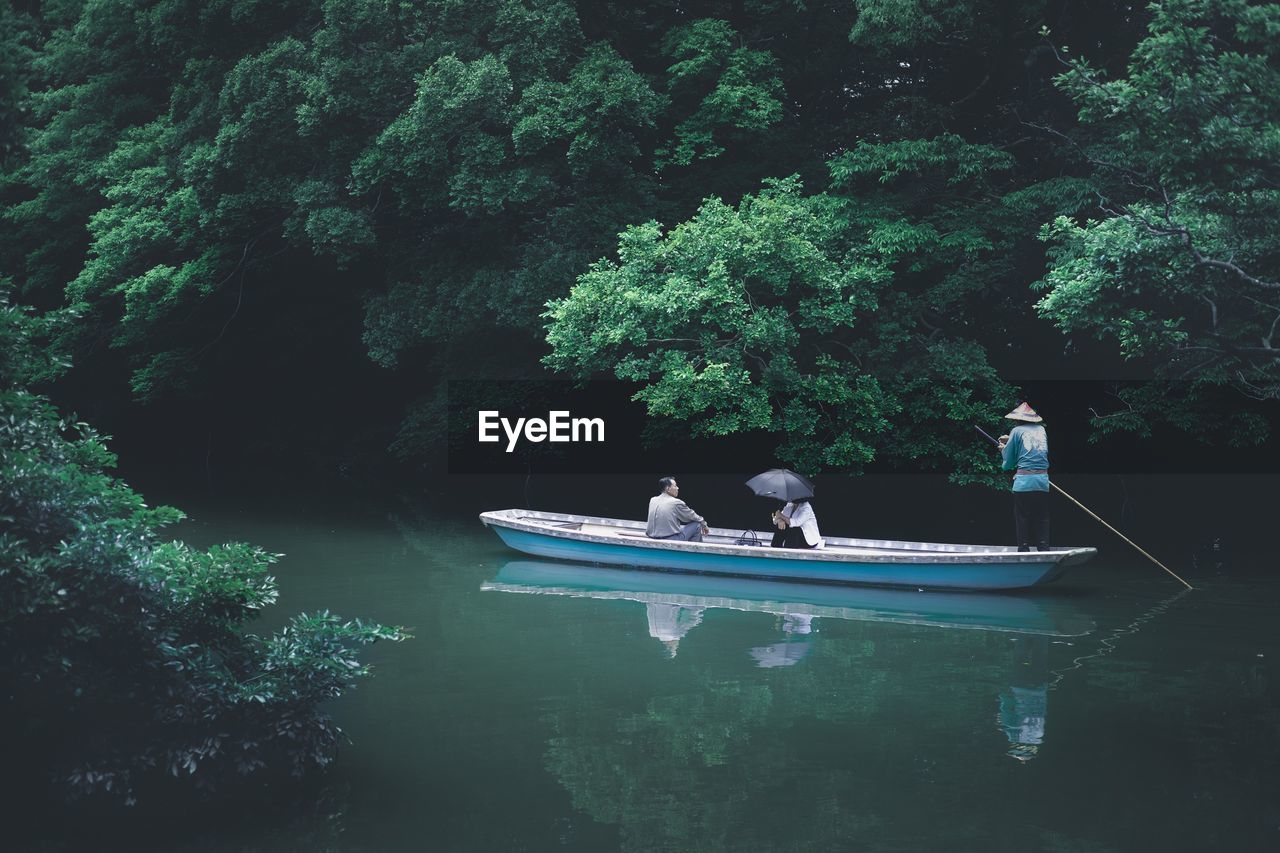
<point x="1184" y="235"/>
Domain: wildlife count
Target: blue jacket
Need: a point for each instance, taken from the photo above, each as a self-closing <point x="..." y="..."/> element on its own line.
<point x="1028" y="447"/>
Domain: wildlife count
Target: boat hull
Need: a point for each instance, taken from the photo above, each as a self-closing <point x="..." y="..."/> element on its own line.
<point x="921" y="565"/>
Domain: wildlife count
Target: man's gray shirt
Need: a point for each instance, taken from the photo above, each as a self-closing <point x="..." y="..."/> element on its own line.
<point x="667" y="515"/>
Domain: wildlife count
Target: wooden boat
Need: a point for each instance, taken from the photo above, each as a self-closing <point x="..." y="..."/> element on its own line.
<point x="923" y="565"/>
<point x="1017" y="614"/>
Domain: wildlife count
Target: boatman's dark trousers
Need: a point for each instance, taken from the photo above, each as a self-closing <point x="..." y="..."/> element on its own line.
<point x="1031" y="520"/>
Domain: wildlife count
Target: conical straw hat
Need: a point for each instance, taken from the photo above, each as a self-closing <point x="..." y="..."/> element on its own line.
<point x="1024" y="413"/>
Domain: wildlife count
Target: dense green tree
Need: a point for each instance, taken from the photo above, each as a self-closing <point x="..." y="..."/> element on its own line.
<point x="126" y="657"/>
<point x="16" y="52"/>
<point x="457" y="163"/>
<point x="781" y="315"/>
<point x="855" y="323"/>
<point x="203" y="181"/>
<point x="1179" y="261"/>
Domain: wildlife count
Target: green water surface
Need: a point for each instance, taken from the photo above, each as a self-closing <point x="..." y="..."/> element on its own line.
<point x="600" y="711"/>
<point x="545" y="706"/>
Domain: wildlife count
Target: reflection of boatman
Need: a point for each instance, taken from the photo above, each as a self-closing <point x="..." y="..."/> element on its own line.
<point x="668" y="623"/>
<point x="1025" y="702"/>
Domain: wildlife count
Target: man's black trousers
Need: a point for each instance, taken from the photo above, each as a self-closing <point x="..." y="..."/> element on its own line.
<point x="1031" y="520"/>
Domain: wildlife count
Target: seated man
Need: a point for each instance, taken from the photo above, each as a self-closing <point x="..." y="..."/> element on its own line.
<point x="671" y="518"/>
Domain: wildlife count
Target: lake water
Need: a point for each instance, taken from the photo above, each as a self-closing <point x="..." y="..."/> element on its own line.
<point x="547" y="706"/>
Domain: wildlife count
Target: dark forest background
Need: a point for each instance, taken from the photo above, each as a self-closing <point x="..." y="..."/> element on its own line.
<point x="842" y="230"/>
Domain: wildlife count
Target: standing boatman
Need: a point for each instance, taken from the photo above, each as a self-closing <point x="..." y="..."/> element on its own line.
<point x="1026" y="452"/>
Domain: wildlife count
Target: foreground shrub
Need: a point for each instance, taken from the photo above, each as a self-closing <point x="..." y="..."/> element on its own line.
<point x="123" y="657"/>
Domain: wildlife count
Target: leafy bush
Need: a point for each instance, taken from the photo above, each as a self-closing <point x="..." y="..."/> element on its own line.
<point x="125" y="657"/>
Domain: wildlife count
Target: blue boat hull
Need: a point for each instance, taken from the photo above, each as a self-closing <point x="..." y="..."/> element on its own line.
<point x="948" y="575"/>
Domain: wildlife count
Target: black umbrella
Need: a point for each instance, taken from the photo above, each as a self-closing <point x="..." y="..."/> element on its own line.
<point x="781" y="484"/>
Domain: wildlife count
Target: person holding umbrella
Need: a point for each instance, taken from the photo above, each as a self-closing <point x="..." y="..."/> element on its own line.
<point x="796" y="522"/>
<point x="797" y="526"/>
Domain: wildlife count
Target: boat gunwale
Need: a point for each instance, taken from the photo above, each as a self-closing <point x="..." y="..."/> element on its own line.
<point x="541" y="522"/>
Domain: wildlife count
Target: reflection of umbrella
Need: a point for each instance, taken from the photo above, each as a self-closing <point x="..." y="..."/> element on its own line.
<point x="780" y="654"/>
<point x="781" y="484"/>
<point x="797" y="623"/>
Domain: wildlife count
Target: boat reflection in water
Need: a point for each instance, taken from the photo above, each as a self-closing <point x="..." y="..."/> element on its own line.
<point x="676" y="603"/>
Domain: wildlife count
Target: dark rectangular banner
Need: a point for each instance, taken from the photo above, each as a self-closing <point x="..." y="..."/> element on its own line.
<point x="514" y="427"/>
<point x="548" y="426"/>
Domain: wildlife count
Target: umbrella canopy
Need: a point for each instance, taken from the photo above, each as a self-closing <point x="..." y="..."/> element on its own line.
<point x="780" y="483"/>
<point x="780" y="654"/>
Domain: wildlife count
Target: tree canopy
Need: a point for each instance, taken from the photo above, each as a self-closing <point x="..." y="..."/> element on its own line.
<point x="881" y="186"/>
<point x="1178" y="260"/>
